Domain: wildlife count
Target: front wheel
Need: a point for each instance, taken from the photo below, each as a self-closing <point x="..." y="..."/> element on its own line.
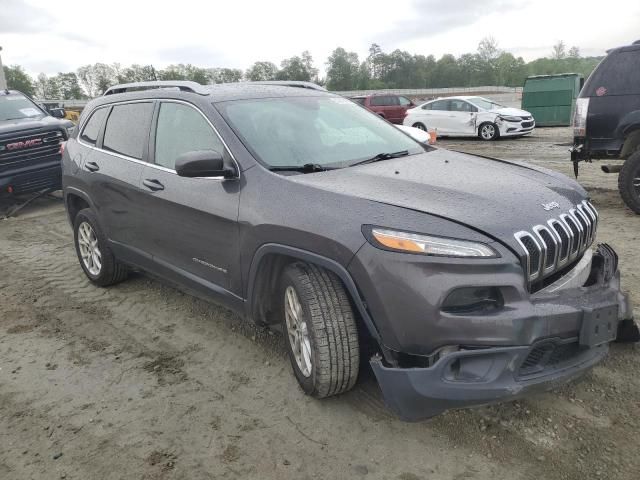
<point x="321" y="332"/>
<point x="489" y="131"/>
<point x="419" y="126"/>
<point x="629" y="182"/>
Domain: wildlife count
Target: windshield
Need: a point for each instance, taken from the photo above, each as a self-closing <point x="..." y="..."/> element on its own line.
<point x="16" y="107"/>
<point x="325" y="131"/>
<point x="485" y="103"/>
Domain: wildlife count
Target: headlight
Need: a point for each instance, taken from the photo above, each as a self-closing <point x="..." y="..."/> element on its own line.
<point x="508" y="118"/>
<point x="428" y="244"/>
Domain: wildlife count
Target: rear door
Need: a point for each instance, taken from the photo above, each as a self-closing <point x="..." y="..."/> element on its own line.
<point x="437" y="116"/>
<point x="112" y="171"/>
<point x="190" y="223"/>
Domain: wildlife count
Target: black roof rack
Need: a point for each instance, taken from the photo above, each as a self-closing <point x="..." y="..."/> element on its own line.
<point x="185" y="86"/>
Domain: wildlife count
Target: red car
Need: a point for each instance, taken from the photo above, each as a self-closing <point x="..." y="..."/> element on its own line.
<point x="388" y="106"/>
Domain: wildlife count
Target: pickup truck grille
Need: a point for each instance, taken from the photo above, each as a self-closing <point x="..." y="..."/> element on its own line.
<point x="27" y="149"/>
<point x="553" y="246"/>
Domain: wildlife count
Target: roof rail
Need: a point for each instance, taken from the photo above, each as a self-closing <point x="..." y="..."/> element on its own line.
<point x="183" y="85"/>
<point x="291" y="83"/>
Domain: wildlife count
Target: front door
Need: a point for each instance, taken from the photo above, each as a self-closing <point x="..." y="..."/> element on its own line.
<point x="191" y="224"/>
<point x="461" y="117"/>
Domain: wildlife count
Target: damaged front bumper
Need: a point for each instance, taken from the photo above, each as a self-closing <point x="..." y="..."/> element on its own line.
<point x="474" y="376"/>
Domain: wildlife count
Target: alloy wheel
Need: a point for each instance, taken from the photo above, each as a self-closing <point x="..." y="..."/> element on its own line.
<point x="89" y="250"/>
<point x="297" y="331"/>
<point x="488" y="131"/>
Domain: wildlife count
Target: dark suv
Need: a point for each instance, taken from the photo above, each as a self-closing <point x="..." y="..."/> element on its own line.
<point x="388" y="106"/>
<point x="607" y="119"/>
<point x="30" y="145"/>
<point x="464" y="280"/>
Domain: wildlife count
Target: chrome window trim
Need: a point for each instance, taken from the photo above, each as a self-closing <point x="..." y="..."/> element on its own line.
<point x="149" y="164"/>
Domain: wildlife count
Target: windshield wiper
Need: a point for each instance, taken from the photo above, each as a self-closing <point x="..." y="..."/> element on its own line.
<point x="382" y="156"/>
<point x="306" y="168"/>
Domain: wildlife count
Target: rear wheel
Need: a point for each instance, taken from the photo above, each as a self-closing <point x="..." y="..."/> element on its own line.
<point x="419" y="125"/>
<point x="629" y="182"/>
<point x="489" y="131"/>
<point x="96" y="258"/>
<point x="320" y="329"/>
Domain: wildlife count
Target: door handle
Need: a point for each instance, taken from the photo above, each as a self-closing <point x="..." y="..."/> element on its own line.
<point x="91" y="166"/>
<point x="153" y="184"/>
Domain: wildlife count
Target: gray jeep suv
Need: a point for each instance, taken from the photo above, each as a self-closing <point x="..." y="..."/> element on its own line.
<point x="463" y="280"/>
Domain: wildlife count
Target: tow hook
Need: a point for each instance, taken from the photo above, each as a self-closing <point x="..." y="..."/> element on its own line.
<point x="575" y="150"/>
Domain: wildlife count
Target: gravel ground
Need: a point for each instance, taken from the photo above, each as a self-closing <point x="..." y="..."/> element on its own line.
<point x="140" y="381"/>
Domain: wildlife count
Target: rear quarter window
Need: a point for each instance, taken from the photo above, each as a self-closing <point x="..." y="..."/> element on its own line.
<point x="359" y="101"/>
<point x="91" y="130"/>
<point x="381" y="101"/>
<point x="617" y="74"/>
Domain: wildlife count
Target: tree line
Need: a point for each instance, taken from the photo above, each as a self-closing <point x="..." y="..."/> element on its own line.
<point x="489" y="65"/>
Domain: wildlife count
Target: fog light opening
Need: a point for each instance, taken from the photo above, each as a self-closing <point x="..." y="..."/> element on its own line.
<point x="473" y="300"/>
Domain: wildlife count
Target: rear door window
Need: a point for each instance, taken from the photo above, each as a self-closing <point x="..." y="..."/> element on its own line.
<point x="127" y="130"/>
<point x="382" y="101"/>
<point x="91" y="130"/>
<point x="617" y="74"/>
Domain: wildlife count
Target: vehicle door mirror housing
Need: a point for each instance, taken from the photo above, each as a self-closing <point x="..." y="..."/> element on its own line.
<point x="204" y="163"/>
<point x="57" y="112"/>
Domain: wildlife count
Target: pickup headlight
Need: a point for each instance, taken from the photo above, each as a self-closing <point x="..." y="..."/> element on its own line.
<point x="406" y="242"/>
<point x="508" y="118"/>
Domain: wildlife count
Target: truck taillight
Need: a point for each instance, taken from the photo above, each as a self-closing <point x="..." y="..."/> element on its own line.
<point x="580" y="117"/>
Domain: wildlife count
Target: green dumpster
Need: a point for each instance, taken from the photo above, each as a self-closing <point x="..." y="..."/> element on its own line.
<point x="551" y="98"/>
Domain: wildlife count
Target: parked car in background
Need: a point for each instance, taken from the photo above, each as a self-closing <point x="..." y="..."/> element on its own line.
<point x="30" y="144"/>
<point x="351" y="236"/>
<point x="606" y="122"/>
<point x="466" y="116"/>
<point x="388" y="106"/>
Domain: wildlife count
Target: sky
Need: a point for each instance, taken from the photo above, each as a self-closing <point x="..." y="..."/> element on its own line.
<point x="54" y="36"/>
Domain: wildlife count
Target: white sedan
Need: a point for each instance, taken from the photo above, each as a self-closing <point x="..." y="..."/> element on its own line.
<point x="470" y="117"/>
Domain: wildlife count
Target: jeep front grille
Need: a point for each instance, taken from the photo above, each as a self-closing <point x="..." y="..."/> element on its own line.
<point x="550" y="247"/>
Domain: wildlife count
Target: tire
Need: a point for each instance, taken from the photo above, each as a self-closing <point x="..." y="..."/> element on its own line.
<point x="419" y="125"/>
<point x="488" y="131"/>
<point x="106" y="270"/>
<point x="331" y="333"/>
<point x="629" y="182"/>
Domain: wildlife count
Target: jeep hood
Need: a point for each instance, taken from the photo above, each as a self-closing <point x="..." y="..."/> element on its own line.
<point x="493" y="196"/>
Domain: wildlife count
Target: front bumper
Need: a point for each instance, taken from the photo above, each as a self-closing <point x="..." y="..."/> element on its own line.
<point x="569" y="331"/>
<point x="33" y="179"/>
<point x="511" y="129"/>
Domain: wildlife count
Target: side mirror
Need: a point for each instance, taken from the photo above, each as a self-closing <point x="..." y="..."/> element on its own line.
<point x="203" y="163"/>
<point x="57" y="112"/>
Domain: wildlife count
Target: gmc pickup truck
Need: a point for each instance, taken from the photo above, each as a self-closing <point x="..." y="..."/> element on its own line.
<point x="30" y="145"/>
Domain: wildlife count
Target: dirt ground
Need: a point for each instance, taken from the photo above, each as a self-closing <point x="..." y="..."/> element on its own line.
<point x="140" y="381"/>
